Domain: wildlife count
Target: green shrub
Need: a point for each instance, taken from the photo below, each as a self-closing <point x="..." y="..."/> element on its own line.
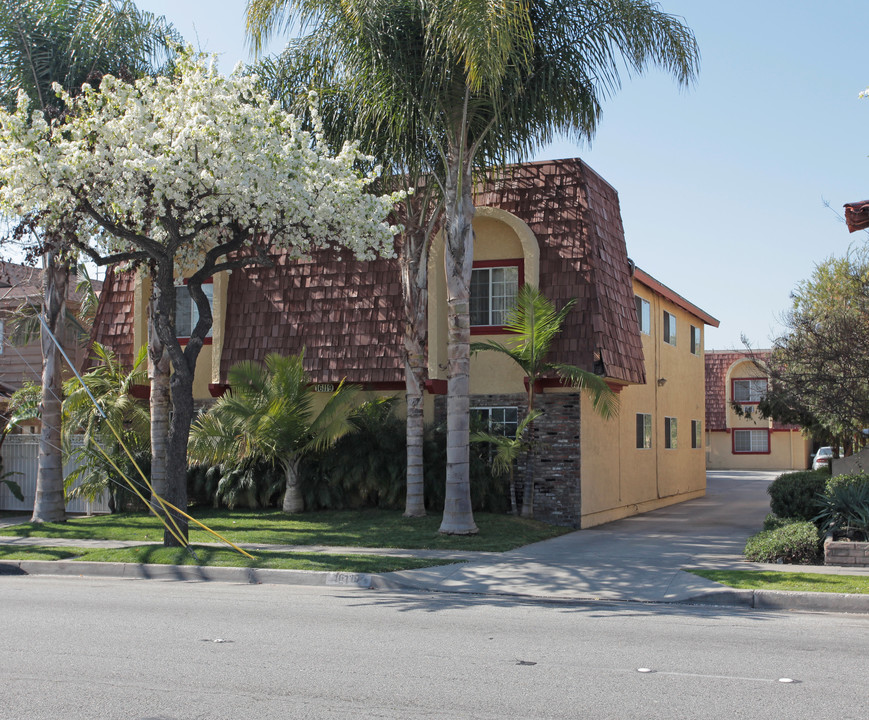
<point x="251" y="485"/>
<point x="795" y="494"/>
<point x="797" y="543"/>
<point x="844" y="507"/>
<point x="488" y="493"/>
<point x="365" y="468"/>
<point x="773" y="522"/>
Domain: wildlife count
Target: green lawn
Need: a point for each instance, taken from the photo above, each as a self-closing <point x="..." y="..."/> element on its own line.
<point x="793" y="581"/>
<point x="218" y="557"/>
<point x="351" y="528"/>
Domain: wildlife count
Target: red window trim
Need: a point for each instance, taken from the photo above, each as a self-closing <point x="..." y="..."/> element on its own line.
<point x="507" y="262"/>
<point x="183" y="340"/>
<point x="745" y="402"/>
<point x="750" y="452"/>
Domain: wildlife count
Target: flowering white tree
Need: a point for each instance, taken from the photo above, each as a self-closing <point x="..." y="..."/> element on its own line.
<point x="187" y="175"/>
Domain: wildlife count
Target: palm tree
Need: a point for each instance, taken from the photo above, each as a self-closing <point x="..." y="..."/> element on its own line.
<point x="103" y="453"/>
<point x="68" y="42"/>
<point x="268" y="415"/>
<point x="483" y="81"/>
<point x="508" y="450"/>
<point x="535" y="323"/>
<point x="315" y="63"/>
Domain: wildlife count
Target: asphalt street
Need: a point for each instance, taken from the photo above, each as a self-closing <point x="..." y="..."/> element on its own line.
<point x="152" y="650"/>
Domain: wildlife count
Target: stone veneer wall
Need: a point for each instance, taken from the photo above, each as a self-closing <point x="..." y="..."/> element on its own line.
<point x="557" y="467"/>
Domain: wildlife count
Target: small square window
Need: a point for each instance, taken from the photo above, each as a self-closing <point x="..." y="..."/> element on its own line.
<point x="696" y="434"/>
<point x="644" y="431"/>
<point x="749" y="390"/>
<point x="669" y="328"/>
<point x="493" y="294"/>
<point x="696" y="344"/>
<point x="670" y="432"/>
<point x="644" y="314"/>
<point x="498" y="420"/>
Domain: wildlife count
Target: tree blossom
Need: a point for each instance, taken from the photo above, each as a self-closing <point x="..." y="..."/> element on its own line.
<point x="180" y="174"/>
<point x="185" y="162"/>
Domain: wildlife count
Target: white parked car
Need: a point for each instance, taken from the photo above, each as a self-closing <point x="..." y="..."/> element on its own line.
<point x="823" y="458"/>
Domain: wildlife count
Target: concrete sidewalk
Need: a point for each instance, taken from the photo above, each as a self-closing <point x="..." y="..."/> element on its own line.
<point x="639" y="559"/>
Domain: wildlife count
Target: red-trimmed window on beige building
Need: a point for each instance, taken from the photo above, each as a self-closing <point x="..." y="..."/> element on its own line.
<point x="751" y="442"/>
<point x="186" y="311"/>
<point x="748" y="391"/>
<point x="494" y="286"/>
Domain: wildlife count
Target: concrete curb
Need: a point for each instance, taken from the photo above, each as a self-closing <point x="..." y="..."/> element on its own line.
<point x="186" y="573"/>
<point x="784" y="600"/>
<point x="725" y="597"/>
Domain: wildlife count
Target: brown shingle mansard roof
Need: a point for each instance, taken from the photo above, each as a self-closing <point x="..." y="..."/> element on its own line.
<point x="113" y="322"/>
<point x="347" y="314"/>
<point x="574" y="213"/>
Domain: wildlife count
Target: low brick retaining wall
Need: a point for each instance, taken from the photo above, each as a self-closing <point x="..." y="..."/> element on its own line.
<point x="838" y="552"/>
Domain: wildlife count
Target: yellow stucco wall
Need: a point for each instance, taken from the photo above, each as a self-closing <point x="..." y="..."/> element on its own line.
<point x="618" y="479"/>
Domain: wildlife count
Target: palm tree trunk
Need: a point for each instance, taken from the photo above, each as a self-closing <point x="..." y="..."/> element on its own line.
<point x="459" y="256"/>
<point x="415" y="501"/>
<point x="49" y="502"/>
<point x="528" y="488"/>
<point x="293" y="500"/>
<point x="513" y="507"/>
<point x="415" y="288"/>
<point x="161" y="405"/>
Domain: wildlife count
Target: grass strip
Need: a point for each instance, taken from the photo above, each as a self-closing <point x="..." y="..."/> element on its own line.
<point x="351" y="528"/>
<point x="17" y="552"/>
<point x="792" y="581"/>
<point x="218" y="557"/>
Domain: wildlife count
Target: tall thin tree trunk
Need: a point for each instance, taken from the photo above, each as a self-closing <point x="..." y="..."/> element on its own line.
<point x="161" y="405"/>
<point x="49" y="502"/>
<point x="181" y="384"/>
<point x="293" y="500"/>
<point x="414" y="279"/>
<point x="458" y="260"/>
<point x="528" y="488"/>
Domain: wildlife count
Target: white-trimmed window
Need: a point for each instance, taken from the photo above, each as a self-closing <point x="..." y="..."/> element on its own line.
<point x="696" y="343"/>
<point x="498" y="420"/>
<point x="644" y="431"/>
<point x="670" y="433"/>
<point x="696" y="434"/>
<point x="751" y="441"/>
<point x="186" y="311"/>
<point x="493" y="292"/>
<point x="749" y="390"/>
<point x="669" y="328"/>
<point x="644" y="314"/>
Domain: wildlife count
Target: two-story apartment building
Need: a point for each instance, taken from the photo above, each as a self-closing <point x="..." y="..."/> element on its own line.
<point x="554" y="224"/>
<point x="743" y="440"/>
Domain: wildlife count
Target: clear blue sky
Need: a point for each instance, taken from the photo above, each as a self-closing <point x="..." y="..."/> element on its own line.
<point x="722" y="186"/>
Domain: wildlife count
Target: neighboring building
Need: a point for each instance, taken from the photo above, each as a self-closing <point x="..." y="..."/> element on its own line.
<point x="746" y="442"/>
<point x="21" y="285"/>
<point x="553" y="224"/>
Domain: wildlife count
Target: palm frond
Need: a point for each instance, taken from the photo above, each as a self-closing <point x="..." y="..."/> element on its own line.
<point x="603" y="398"/>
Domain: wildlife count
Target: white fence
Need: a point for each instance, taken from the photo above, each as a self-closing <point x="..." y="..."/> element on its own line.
<point x="20" y="458"/>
